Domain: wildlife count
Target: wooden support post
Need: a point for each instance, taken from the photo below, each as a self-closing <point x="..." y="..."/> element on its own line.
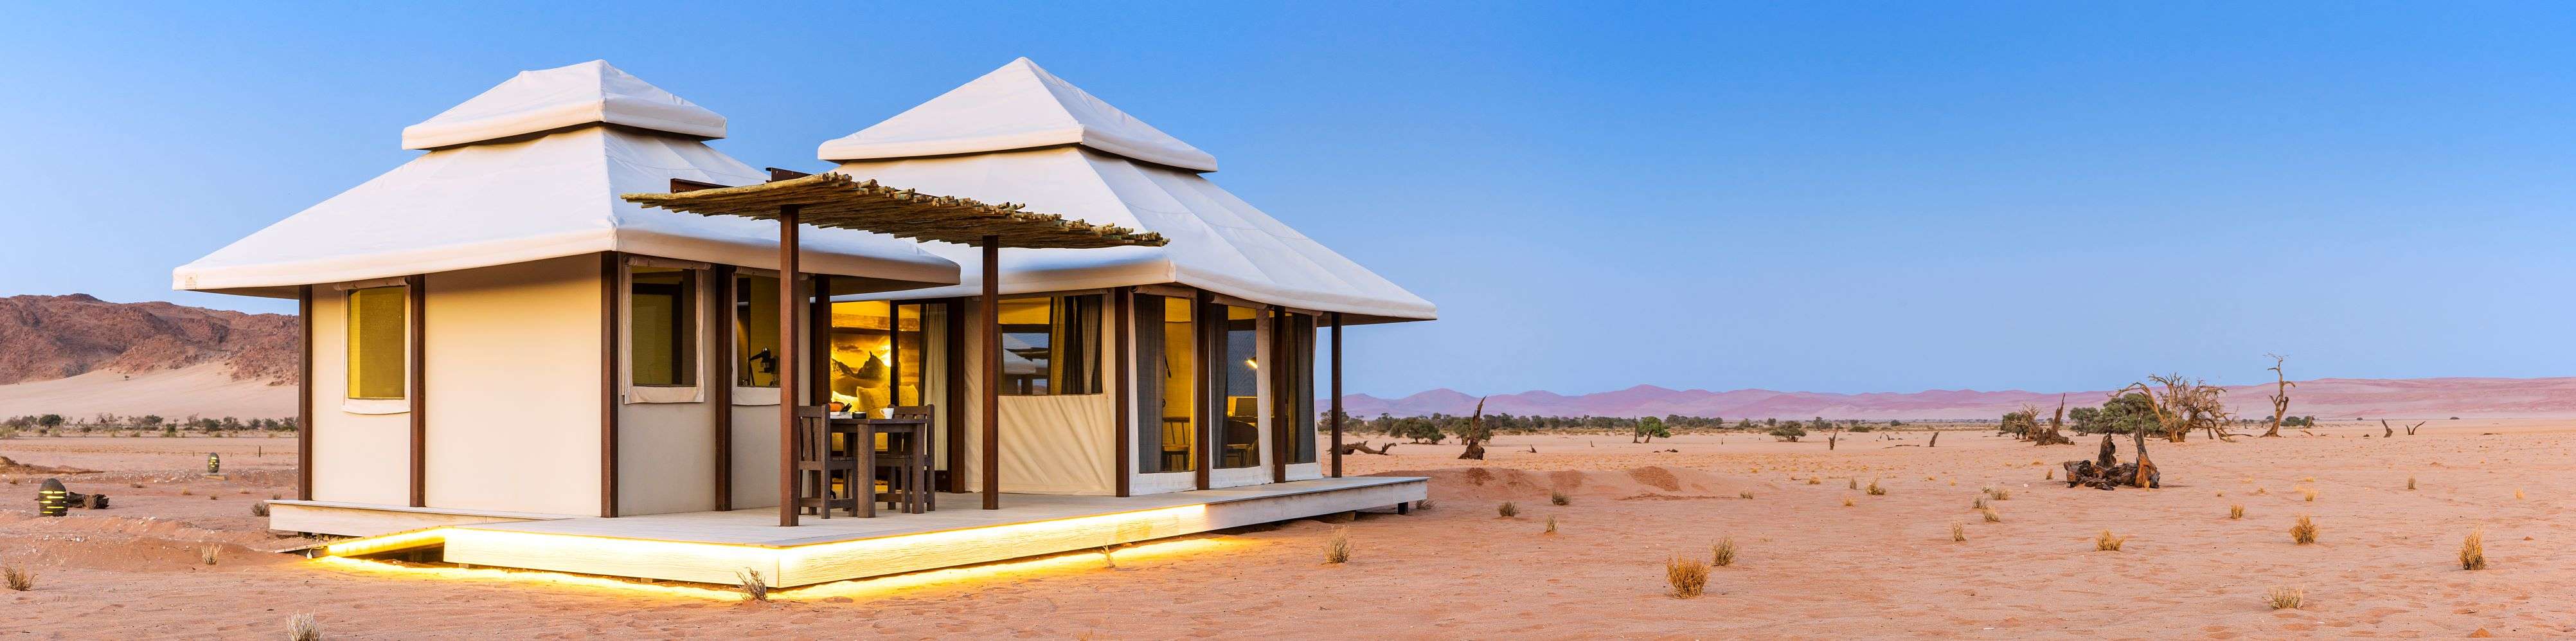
<point x="417" y="391"/>
<point x="1337" y="395"/>
<point x="1123" y="308"/>
<point x="304" y="393"/>
<point x="611" y="290"/>
<point x="1282" y="432"/>
<point x="721" y="332"/>
<point x="787" y="373"/>
<point x="1204" y="418"/>
<point x="992" y="357"/>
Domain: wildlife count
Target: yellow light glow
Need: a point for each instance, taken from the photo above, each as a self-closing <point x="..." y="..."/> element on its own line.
<point x="519" y="576"/>
<point x="1065" y="563"/>
<point x="386" y="543"/>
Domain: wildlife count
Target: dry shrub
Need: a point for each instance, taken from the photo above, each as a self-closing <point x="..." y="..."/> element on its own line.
<point x="2236" y="511"/>
<point x="1993" y="516"/>
<point x="1551" y="524"/>
<point x="1558" y="498"/>
<point x="187" y="492"/>
<point x="2052" y="475"/>
<point x="1847" y="502"/>
<point x="1722" y="554"/>
<point x="1507" y="510"/>
<point x="1958" y="532"/>
<point x="2410" y="482"/>
<point x="2517" y="494"/>
<point x="18" y="579"/>
<point x="2473" y="552"/>
<point x="1815" y="481"/>
<point x="2307" y="479"/>
<point x="2309" y="492"/>
<point x="131" y="485"/>
<point x="1338" y="548"/>
<point x="259" y="509"/>
<point x="1980" y="504"/>
<point x="1687" y="576"/>
<point x="2000" y="494"/>
<point x="2304" y="531"/>
<point x="2286" y="597"/>
<point x="1747" y="494"/>
<point x="2262" y="491"/>
<point x="208" y="553"/>
<point x="752" y="587"/>
<point x="1874" y="489"/>
<point x="2108" y="543"/>
<point x="302" y="627"/>
<point x="1852" y="483"/>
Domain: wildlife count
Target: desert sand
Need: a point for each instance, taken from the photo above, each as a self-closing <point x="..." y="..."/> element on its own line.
<point x="207" y="390"/>
<point x="2384" y="564"/>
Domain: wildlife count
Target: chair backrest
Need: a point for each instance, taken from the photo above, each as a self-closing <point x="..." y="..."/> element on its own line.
<point x="813" y="433"/>
<point x="914" y="412"/>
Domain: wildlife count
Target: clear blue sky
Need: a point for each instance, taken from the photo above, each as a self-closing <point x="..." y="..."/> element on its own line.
<point x="1811" y="196"/>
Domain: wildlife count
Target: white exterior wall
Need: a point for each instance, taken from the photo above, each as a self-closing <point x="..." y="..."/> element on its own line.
<point x="357" y="458"/>
<point x="666" y="450"/>
<point x="513" y="389"/>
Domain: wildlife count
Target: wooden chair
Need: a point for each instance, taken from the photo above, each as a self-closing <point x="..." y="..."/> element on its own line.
<point x="906" y="464"/>
<point x="818" y="463"/>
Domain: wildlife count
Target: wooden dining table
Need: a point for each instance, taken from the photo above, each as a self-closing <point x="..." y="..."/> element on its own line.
<point x="908" y="489"/>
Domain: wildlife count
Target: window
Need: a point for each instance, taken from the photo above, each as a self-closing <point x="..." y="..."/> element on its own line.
<point x="661" y="328"/>
<point x="1050" y="345"/>
<point x="1238" y="384"/>
<point x="755" y="331"/>
<point x="378" y="342"/>
<point x="1294" y="389"/>
<point x="1167" y="439"/>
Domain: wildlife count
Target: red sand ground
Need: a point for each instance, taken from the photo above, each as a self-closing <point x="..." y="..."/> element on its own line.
<point x="2384" y="564"/>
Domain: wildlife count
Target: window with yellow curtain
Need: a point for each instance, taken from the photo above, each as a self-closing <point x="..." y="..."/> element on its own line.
<point x="755" y="331"/>
<point x="862" y="337"/>
<point x="1238" y="385"/>
<point x="378" y="342"/>
<point x="662" y="326"/>
<point x="1050" y="345"/>
<point x="1167" y="431"/>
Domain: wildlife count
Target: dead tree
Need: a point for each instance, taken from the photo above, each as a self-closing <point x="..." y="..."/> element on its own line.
<point x="1832" y="437"/>
<point x="1362" y="447"/>
<point x="1475" y="434"/>
<point x="2053" y="436"/>
<point x="1936" y="439"/>
<point x="2280" y="395"/>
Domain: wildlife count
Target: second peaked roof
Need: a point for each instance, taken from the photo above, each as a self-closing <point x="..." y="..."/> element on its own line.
<point x="1018" y="106"/>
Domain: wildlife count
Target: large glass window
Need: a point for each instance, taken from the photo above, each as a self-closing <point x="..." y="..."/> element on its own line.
<point x="1238" y="385"/>
<point x="1167" y="436"/>
<point x="1294" y="389"/>
<point x="1051" y="345"/>
<point x="378" y="341"/>
<point x="755" y="331"/>
<point x="661" y="329"/>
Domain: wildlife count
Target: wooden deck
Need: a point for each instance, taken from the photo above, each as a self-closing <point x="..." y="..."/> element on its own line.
<point x="712" y="547"/>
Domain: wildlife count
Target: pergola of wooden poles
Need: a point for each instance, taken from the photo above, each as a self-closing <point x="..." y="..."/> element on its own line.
<point x="833" y="200"/>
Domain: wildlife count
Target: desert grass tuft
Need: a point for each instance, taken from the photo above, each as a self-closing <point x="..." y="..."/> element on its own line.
<point x="1746" y="494"/>
<point x="2307" y="479"/>
<point x="2309" y="492"/>
<point x="1980" y="504"/>
<point x="259" y="508"/>
<point x="2052" y="475"/>
<point x="1874" y="489"/>
<point x="17" y="579"/>
<point x="302" y="627"/>
<point x="208" y="553"/>
<point x="1852" y="483"/>
<point x="1338" y="548"/>
<point x="1993" y="516"/>
<point x="1847" y="502"/>
<point x="187" y="492"/>
<point x="2000" y="494"/>
<point x="2236" y="511"/>
<point x="1507" y="510"/>
<point x="1688" y="577"/>
<point x="1551" y="524"/>
<point x="2517" y="494"/>
<point x="2260" y="491"/>
<point x="752" y="587"/>
<point x="2304" y="531"/>
<point x="2410" y="482"/>
<point x="1722" y="554"/>
<point x="1558" y="498"/>
<point x="1815" y="481"/>
<point x="2473" y="552"/>
<point x="1958" y="532"/>
<point x="2107" y="543"/>
<point x="2285" y="597"/>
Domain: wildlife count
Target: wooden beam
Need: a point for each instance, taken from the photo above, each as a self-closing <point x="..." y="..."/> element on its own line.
<point x="304" y="393"/>
<point x="418" y="393"/>
<point x="787" y="374"/>
<point x="992" y="357"/>
<point x="776" y="174"/>
<point x="954" y="405"/>
<point x="1281" y="432"/>
<point x="722" y="332"/>
<point x="682" y="185"/>
<point x="1337" y="394"/>
<point x="611" y="290"/>
<point x="1202" y="383"/>
<point x="1121" y="301"/>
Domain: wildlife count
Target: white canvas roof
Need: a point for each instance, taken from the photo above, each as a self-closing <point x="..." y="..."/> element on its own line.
<point x="532" y="198"/>
<point x="567" y="96"/>
<point x="1018" y="106"/>
<point x="1218" y="242"/>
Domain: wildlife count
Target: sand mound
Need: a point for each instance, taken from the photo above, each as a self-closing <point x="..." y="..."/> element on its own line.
<point x="8" y="466"/>
<point x="1653" y="482"/>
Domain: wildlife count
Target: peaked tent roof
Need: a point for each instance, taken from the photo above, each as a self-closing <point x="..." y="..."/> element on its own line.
<point x="567" y="96"/>
<point x="1019" y="106"/>
<point x="533" y="198"/>
<point x="1218" y="242"/>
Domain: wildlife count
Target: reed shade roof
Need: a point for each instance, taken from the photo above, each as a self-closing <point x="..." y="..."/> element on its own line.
<point x="836" y="200"/>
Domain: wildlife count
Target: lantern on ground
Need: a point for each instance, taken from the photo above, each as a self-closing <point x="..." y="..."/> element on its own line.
<point x="52" y="499"/>
<point x="214" y="464"/>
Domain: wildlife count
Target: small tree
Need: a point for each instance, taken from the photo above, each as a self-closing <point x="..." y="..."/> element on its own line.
<point x="1789" y="432"/>
<point x="1648" y="429"/>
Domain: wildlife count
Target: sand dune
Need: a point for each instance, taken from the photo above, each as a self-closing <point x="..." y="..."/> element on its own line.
<point x="206" y="389"/>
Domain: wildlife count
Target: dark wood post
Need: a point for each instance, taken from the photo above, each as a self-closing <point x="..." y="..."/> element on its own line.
<point x="1123" y="309"/>
<point x="417" y="286"/>
<point x="611" y="289"/>
<point x="992" y="357"/>
<point x="304" y="393"/>
<point x="1337" y="395"/>
<point x="721" y="332"/>
<point x="788" y="314"/>
<point x="1211" y="324"/>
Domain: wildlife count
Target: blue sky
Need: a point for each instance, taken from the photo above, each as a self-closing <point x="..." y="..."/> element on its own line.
<point x="1828" y="196"/>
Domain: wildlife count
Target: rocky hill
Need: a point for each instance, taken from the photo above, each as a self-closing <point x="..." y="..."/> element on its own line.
<point x="44" y="338"/>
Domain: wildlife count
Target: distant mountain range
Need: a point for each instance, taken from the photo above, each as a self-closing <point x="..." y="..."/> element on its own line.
<point x="2323" y="398"/>
<point x="50" y="337"/>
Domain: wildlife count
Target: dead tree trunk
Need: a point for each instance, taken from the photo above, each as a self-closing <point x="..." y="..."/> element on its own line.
<point x="1362" y="447"/>
<point x="2280" y="396"/>
<point x="1475" y="434"/>
<point x="1936" y="439"/>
